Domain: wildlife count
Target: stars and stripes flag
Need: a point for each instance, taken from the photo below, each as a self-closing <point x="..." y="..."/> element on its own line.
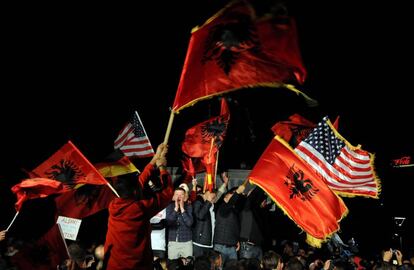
<point x="347" y="170"/>
<point x="133" y="140"/>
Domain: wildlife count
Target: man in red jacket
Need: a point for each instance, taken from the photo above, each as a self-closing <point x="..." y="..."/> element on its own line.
<point x="128" y="239"/>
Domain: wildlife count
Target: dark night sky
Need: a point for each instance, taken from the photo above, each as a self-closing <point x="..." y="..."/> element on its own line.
<point x="78" y="72"/>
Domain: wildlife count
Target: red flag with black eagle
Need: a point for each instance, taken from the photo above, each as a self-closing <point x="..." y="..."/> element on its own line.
<point x="69" y="166"/>
<point x="299" y="191"/>
<point x="235" y="49"/>
<point x="204" y="139"/>
<point x="207" y="137"/>
<point x="296" y="129"/>
<point x="66" y="169"/>
<point x="293" y="130"/>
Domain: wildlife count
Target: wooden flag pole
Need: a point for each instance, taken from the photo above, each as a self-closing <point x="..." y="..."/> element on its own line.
<point x="215" y="169"/>
<point x="170" y="122"/>
<point x="211" y="149"/>
<point x="245" y="182"/>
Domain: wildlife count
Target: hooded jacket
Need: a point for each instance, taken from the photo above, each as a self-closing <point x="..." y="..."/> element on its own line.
<point x="128" y="239"/>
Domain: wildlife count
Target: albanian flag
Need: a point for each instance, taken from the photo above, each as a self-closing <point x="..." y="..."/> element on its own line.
<point x="69" y="166"/>
<point x="299" y="191"/>
<point x="204" y="139"/>
<point x="294" y="130"/>
<point x="234" y="49"/>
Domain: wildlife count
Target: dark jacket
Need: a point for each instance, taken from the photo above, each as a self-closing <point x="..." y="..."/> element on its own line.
<point x="227" y="229"/>
<point x="202" y="230"/>
<point x="250" y="218"/>
<point x="179" y="224"/>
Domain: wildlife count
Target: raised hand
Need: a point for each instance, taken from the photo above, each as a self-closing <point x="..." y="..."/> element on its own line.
<point x="158" y="153"/>
<point x="162" y="161"/>
<point x="225" y="177"/>
<point x="2" y="235"/>
<point x="182" y="205"/>
<point x="194" y="183"/>
<point x="399" y="256"/>
<point x="176" y="205"/>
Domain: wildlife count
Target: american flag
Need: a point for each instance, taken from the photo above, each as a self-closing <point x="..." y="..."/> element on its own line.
<point x="133" y="140"/>
<point x="347" y="170"/>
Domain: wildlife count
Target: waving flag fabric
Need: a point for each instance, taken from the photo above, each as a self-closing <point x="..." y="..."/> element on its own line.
<point x="69" y="166"/>
<point x="294" y="130"/>
<point x="198" y="139"/>
<point x="133" y="140"/>
<point x="348" y="170"/>
<point x="35" y="188"/>
<point x="116" y="164"/>
<point x="235" y="49"/>
<point x="204" y="140"/>
<point x="299" y="191"/>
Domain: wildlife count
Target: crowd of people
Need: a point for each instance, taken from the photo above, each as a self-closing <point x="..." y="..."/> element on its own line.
<point x="153" y="225"/>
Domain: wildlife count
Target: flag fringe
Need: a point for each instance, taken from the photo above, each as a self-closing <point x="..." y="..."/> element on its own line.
<point x="220" y="12"/>
<point x="309" y="101"/>
<point x="313" y="241"/>
<point x="377" y="180"/>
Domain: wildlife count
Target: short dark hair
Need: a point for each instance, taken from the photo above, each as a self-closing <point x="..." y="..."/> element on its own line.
<point x="202" y="263"/>
<point x="76" y="252"/>
<point x="127" y="185"/>
<point x="270" y="260"/>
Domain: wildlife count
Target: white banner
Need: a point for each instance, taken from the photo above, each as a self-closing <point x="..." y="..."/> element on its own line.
<point x="70" y="227"/>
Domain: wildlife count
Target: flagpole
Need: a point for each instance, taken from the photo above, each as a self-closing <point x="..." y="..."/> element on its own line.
<point x="215" y="169"/>
<point x="11" y="223"/>
<point x="112" y="188"/>
<point x="211" y="149"/>
<point x="170" y="122"/>
<point x="145" y="132"/>
<point x="63" y="239"/>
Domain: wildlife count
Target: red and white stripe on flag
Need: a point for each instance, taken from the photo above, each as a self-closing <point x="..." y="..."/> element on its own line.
<point x="133" y="140"/>
<point x="346" y="169"/>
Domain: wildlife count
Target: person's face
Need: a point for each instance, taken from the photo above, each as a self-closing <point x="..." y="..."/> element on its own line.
<point x="179" y="195"/>
<point x="212" y="196"/>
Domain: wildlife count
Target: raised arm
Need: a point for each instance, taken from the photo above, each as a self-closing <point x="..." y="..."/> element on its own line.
<point x="149" y="170"/>
<point x="222" y="189"/>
